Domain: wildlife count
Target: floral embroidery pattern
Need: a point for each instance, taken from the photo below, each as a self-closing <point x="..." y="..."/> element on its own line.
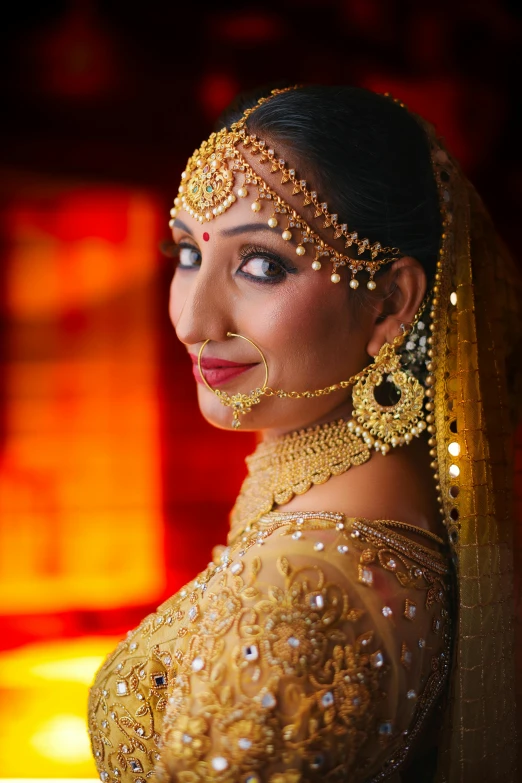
<point x="278" y="668"/>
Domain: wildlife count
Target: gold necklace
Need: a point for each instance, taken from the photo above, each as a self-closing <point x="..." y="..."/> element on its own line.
<point x="289" y="466"/>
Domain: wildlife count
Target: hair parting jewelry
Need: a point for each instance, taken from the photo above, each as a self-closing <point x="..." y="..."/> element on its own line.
<point x="218" y="174"/>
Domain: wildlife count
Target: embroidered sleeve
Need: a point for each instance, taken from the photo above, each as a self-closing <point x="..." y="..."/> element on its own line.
<point x="315" y="646"/>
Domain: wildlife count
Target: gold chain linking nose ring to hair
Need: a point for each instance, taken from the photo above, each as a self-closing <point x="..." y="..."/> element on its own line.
<point x="241" y="404"/>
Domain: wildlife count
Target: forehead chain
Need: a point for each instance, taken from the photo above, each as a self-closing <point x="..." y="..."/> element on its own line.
<point x="217" y="174"/>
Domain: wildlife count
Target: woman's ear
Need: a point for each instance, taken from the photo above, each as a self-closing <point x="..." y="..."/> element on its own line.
<point x="406" y="287"/>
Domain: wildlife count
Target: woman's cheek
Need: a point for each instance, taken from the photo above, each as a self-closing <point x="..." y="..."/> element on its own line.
<point x="297" y="340"/>
<point x="277" y="317"/>
<point x="305" y="320"/>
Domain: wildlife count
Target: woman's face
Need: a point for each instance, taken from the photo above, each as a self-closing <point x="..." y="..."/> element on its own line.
<point x="235" y="274"/>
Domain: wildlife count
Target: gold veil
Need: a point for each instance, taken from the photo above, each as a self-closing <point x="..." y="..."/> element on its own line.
<point x="477" y="342"/>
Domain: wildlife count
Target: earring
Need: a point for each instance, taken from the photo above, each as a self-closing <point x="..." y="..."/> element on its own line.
<point x="241" y="404"/>
<point x="391" y="425"/>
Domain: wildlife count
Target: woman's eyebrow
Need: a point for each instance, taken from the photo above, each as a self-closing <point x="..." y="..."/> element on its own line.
<point x="235" y="230"/>
<point x="227" y="232"/>
<point x="180" y="224"/>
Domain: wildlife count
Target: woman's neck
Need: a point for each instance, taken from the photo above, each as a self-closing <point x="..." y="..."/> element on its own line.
<point x="341" y="411"/>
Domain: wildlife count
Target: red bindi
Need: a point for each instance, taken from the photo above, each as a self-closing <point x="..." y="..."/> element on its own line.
<point x="206" y="236"/>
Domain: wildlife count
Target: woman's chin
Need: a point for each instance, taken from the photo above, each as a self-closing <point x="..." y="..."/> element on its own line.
<point x="214" y="412"/>
<point x="279" y="415"/>
<point x="220" y="416"/>
<point x="222" y="420"/>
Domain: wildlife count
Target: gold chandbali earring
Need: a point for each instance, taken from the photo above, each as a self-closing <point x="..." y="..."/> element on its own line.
<point x="241" y="404"/>
<point x="392" y="425"/>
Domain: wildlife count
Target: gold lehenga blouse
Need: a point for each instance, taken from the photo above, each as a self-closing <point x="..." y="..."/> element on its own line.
<point x="312" y="647"/>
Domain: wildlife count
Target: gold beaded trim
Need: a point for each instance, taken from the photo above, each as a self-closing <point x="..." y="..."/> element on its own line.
<point x="209" y="186"/>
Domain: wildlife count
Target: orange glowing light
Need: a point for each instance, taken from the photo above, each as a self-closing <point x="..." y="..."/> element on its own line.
<point x="80" y="495"/>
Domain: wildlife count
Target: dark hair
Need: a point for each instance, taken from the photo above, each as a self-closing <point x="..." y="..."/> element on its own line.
<point x="368" y="156"/>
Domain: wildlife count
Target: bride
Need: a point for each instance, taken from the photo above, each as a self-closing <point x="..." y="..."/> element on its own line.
<point x="358" y="623"/>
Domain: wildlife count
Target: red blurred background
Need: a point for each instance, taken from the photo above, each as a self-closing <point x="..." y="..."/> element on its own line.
<point x="112" y="488"/>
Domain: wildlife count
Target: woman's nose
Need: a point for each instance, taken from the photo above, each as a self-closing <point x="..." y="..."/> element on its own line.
<point x="199" y="309"/>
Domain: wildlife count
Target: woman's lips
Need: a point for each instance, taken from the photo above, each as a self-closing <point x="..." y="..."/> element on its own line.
<point x="218" y="371"/>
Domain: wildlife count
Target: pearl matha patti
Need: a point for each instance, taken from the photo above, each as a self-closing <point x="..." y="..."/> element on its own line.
<point x="218" y="174"/>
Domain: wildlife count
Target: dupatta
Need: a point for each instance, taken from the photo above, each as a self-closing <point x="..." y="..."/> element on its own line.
<point x="478" y="353"/>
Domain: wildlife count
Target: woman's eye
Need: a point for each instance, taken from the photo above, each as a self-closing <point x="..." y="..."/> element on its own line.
<point x="188" y="257"/>
<point x="262" y="268"/>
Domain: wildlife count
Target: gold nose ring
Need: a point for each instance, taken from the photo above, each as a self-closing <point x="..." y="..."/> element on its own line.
<point x="241" y="404"/>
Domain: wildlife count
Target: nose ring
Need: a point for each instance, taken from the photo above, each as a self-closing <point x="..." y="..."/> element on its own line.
<point x="241" y="404"/>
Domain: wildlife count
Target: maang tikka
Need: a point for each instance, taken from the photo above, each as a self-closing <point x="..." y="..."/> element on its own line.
<point x="218" y="174"/>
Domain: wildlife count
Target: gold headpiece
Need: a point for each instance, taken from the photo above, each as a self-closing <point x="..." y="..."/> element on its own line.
<point x="217" y="174"/>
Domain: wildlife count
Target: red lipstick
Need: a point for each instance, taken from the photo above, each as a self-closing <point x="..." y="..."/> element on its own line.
<point x="218" y="371"/>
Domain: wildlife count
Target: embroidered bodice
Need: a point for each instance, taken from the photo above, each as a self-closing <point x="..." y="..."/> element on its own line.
<point x="311" y="648"/>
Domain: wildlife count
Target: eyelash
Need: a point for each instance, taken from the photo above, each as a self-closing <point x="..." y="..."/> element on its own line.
<point x="246" y="254"/>
<point x="252" y="251"/>
<point x="169" y="249"/>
